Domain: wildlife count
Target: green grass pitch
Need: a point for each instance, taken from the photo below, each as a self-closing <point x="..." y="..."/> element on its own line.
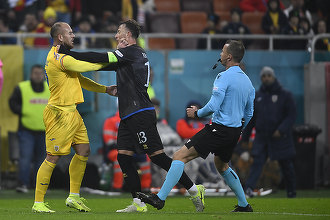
<point x="308" y="205"/>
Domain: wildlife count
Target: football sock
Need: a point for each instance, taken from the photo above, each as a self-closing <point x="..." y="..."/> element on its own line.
<point x="193" y="190"/>
<point x="164" y="161"/>
<point x="234" y="183"/>
<point x="43" y="178"/>
<point x="172" y="178"/>
<point x="76" y="171"/>
<point x="130" y="174"/>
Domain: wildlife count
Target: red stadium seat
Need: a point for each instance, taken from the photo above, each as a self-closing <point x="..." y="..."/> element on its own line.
<point x="225" y="5"/>
<point x="197" y="5"/>
<point x="167" y="6"/>
<point x="161" y="43"/>
<point x="253" y="21"/>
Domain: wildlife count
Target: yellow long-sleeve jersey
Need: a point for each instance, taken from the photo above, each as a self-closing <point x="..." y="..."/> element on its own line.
<point x="65" y="81"/>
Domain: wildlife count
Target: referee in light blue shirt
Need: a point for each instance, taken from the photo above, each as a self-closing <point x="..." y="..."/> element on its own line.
<point x="231" y="103"/>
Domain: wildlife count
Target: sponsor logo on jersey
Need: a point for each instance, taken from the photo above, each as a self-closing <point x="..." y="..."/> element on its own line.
<point x="119" y="53"/>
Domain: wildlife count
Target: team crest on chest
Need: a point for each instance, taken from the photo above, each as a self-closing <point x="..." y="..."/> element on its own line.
<point x="56" y="148"/>
<point x="274" y="98"/>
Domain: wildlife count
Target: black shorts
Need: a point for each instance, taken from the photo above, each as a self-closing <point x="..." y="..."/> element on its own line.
<point x="217" y="139"/>
<point x="139" y="133"/>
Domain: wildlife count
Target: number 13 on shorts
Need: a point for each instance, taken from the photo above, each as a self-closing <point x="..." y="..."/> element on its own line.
<point x="142" y="137"/>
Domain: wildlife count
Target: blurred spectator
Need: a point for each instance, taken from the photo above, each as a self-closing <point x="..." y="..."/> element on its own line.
<point x="273" y="136"/>
<point x="168" y="136"/>
<point x="212" y="28"/>
<point x="274" y="19"/>
<point x="62" y="8"/>
<point x="293" y="28"/>
<point x="256" y="5"/>
<point x="45" y="26"/>
<point x="84" y="26"/>
<point x="323" y="8"/>
<point x="109" y="26"/>
<point x="19" y="10"/>
<point x="1" y="76"/>
<point x="110" y="131"/>
<point x="29" y="26"/>
<point x="235" y="26"/>
<point x="5" y="29"/>
<point x="188" y="127"/>
<point x="129" y="9"/>
<point x="302" y="12"/>
<point x="28" y="101"/>
<point x="320" y="27"/>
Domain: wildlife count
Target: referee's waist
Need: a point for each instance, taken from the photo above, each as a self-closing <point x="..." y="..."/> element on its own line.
<point x="224" y="126"/>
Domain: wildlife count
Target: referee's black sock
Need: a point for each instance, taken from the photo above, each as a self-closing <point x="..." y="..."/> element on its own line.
<point x="130" y="173"/>
<point x="163" y="161"/>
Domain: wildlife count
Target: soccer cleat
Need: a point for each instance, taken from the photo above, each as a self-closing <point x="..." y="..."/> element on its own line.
<point x="198" y="200"/>
<point x="41" y="207"/>
<point x="247" y="208"/>
<point x="134" y="208"/>
<point x="151" y="199"/>
<point x="77" y="202"/>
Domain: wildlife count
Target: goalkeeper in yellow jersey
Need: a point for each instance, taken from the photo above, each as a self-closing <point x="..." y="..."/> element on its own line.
<point x="64" y="126"/>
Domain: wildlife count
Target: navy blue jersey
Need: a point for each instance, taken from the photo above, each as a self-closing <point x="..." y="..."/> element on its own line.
<point x="133" y="74"/>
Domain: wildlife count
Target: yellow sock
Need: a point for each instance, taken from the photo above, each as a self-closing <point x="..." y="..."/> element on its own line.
<point x="77" y="170"/>
<point x="43" y="178"/>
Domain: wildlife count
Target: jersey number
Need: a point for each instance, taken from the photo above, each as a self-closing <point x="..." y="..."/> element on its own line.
<point x="147" y="64"/>
<point x="142" y="137"/>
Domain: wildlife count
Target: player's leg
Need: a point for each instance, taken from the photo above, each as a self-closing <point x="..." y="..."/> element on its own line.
<point x="126" y="142"/>
<point x="56" y="145"/>
<point x="78" y="164"/>
<point x="42" y="182"/>
<point x="234" y="183"/>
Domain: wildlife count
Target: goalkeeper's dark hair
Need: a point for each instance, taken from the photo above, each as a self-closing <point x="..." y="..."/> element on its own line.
<point x="133" y="27"/>
<point x="55" y="30"/>
<point x="236" y="49"/>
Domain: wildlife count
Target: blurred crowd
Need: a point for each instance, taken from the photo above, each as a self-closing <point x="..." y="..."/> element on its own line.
<point x="289" y="17"/>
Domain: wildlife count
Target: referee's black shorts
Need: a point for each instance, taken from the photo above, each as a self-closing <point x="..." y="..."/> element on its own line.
<point x="217" y="139"/>
<point x="138" y="133"/>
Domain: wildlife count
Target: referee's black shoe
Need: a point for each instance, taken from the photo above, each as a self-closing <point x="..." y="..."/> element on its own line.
<point x="247" y="208"/>
<point x="151" y="199"/>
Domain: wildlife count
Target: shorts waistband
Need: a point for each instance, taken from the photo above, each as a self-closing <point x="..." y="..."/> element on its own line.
<point x="69" y="108"/>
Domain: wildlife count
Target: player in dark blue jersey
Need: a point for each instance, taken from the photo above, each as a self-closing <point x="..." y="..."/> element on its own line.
<point x="137" y="131"/>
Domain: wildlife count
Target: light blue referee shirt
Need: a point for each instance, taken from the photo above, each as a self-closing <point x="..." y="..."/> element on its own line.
<point x="232" y="99"/>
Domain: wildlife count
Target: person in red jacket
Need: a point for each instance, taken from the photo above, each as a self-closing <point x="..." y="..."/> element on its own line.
<point x="255" y="5"/>
<point x="110" y="130"/>
<point x="188" y="127"/>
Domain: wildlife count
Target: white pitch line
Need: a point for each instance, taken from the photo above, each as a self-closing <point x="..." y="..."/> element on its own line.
<point x="290" y="213"/>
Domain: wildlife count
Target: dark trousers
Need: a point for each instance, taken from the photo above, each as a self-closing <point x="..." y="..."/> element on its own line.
<point x="287" y="169"/>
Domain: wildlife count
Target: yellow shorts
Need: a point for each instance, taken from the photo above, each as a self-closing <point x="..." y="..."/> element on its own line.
<point x="64" y="128"/>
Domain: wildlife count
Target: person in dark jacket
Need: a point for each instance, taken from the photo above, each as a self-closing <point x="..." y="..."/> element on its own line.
<point x="274" y="19"/>
<point x="28" y="100"/>
<point x="274" y="116"/>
